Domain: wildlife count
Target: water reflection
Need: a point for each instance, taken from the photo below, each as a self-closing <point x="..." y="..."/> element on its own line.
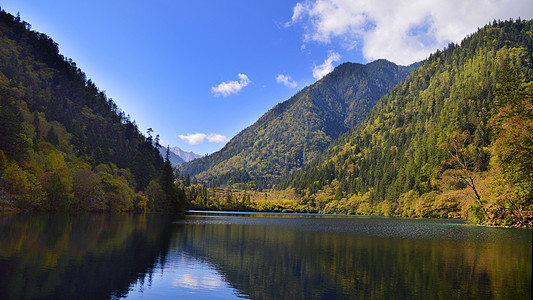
<point x="224" y="256"/>
<point x="184" y="277"/>
<point x="320" y="258"/>
<point x="90" y="257"/>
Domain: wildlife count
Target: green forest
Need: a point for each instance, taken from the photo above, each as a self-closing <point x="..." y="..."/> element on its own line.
<point x="296" y="131"/>
<point x="454" y="140"/>
<point x="450" y="137"/>
<point x="65" y="146"/>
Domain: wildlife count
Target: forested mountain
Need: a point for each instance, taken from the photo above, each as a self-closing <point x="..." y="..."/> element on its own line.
<point x="454" y="139"/>
<point x="63" y="144"/>
<point x="296" y="131"/>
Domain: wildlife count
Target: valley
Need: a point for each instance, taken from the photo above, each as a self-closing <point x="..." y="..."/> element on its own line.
<point x="449" y="137"/>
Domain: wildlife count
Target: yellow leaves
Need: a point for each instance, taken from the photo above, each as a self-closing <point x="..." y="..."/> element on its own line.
<point x="423" y="205"/>
<point x="142" y="203"/>
<point x="3" y="160"/>
<point x="14" y="181"/>
<point x="449" y="205"/>
<point x="54" y="161"/>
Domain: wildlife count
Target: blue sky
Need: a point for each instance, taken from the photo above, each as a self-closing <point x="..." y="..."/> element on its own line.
<point x="199" y="72"/>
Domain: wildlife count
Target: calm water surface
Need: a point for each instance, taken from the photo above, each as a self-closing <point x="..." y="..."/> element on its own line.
<point x="259" y="256"/>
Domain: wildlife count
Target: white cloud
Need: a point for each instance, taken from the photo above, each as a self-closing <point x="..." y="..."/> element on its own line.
<point x="199" y="138"/>
<point x="227" y="88"/>
<point x="193" y="139"/>
<point x="403" y="31"/>
<point x="326" y="68"/>
<point x="286" y="80"/>
<point x="298" y="11"/>
<point x="217" y="138"/>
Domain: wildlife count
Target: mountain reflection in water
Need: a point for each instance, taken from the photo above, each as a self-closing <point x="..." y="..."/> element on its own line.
<point x="89" y="257"/>
<point x="262" y="256"/>
<point x="321" y="257"/>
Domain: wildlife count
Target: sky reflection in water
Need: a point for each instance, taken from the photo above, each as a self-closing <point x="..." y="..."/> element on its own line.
<point x="184" y="277"/>
<point x="272" y="256"/>
<point x="267" y="256"/>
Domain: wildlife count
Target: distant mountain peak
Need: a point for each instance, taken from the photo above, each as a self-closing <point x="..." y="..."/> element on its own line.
<point x="178" y="156"/>
<point x="186" y="156"/>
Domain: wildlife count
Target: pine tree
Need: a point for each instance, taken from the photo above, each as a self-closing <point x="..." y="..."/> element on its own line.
<point x="175" y="195"/>
<point x="52" y="137"/>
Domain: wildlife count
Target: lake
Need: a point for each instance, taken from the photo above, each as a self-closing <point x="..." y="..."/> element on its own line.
<point x="210" y="255"/>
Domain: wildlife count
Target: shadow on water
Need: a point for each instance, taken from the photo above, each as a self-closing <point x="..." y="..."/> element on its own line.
<point x="68" y="257"/>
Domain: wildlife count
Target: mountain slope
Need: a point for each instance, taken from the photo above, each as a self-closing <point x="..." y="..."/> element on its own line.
<point x="454" y="139"/>
<point x="63" y="144"/>
<point x="186" y="156"/>
<point x="177" y="156"/>
<point x="175" y="160"/>
<point x="294" y="132"/>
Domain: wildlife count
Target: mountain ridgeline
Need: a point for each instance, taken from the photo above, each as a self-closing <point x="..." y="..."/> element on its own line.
<point x="175" y="160"/>
<point x="455" y="139"/>
<point x="186" y="156"/>
<point x="296" y="131"/>
<point x="177" y="156"/>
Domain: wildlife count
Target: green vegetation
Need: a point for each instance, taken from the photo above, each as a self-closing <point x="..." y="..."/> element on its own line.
<point x="228" y="199"/>
<point x="454" y="140"/>
<point x="296" y="131"/>
<point x="64" y="146"/>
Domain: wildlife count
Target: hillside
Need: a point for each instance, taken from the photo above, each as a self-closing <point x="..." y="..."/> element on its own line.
<point x="63" y="144"/>
<point x="455" y="139"/>
<point x="296" y="131"/>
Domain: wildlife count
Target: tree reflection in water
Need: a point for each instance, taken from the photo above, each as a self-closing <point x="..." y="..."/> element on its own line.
<point x="67" y="257"/>
<point x="259" y="257"/>
<point x="321" y="258"/>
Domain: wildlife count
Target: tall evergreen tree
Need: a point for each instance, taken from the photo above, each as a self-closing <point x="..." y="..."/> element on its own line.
<point x="175" y="195"/>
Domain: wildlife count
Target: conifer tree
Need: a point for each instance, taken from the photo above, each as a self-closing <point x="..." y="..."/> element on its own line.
<point x="175" y="195"/>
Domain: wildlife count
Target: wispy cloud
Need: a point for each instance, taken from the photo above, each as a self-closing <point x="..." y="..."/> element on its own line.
<point x="326" y="67"/>
<point x="403" y="31"/>
<point x="297" y="12"/>
<point x="199" y="138"/>
<point x="286" y="80"/>
<point x="227" y="88"/>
